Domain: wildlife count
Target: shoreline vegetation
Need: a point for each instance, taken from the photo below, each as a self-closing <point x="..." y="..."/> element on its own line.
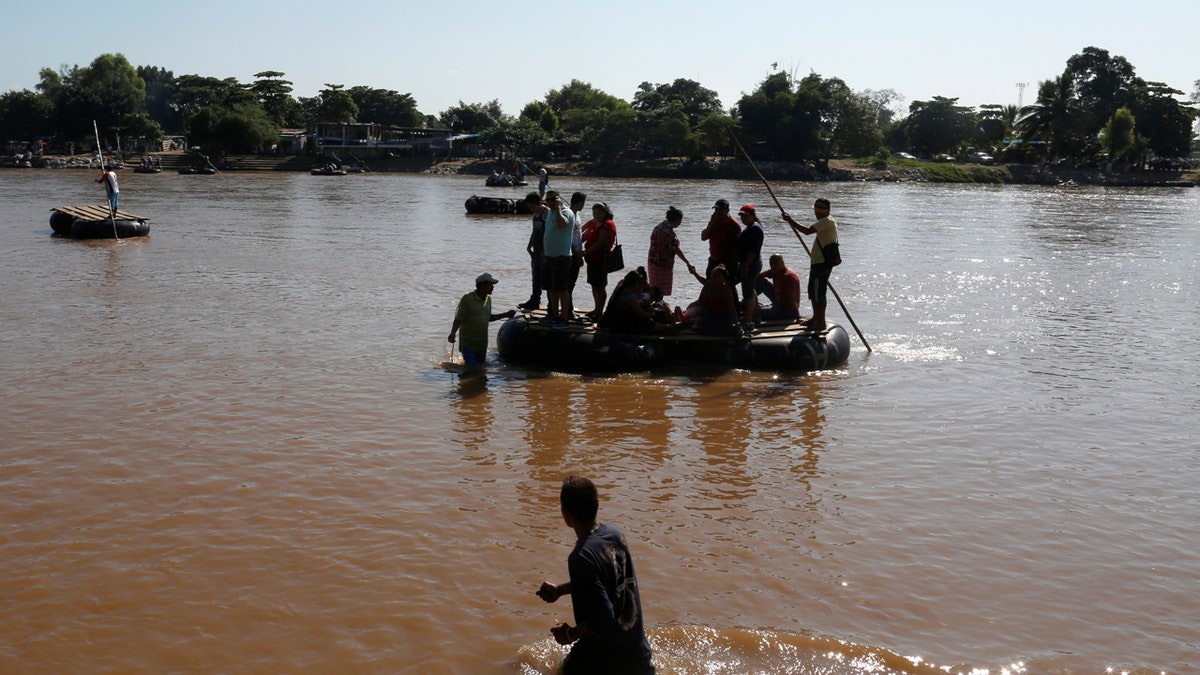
<point x="715" y="167"/>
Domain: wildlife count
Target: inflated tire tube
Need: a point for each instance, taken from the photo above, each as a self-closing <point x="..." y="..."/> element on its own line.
<point x="103" y="229"/>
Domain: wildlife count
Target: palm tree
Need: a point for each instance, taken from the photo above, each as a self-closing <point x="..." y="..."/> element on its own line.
<point x="1056" y="117"/>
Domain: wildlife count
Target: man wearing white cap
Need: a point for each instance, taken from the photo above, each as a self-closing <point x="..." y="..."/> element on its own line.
<point x="473" y="315"/>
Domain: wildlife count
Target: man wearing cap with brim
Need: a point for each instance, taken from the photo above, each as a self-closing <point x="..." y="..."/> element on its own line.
<point x="472" y="316"/>
<point x="749" y="256"/>
<point x="721" y="233"/>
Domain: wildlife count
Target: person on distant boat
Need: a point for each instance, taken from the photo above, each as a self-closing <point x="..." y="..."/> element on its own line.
<point x="749" y="257"/>
<point x="543" y="181"/>
<point x="721" y="234"/>
<point x="664" y="248"/>
<point x="533" y="201"/>
<point x="609" y="635"/>
<point x="559" y="225"/>
<point x="578" y="201"/>
<point x="819" y="270"/>
<point x="599" y="235"/>
<point x="109" y="178"/>
<point x="473" y="314"/>
<point x="781" y="285"/>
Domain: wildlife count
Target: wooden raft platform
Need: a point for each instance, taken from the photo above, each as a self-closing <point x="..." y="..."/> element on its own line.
<point x="95" y="213"/>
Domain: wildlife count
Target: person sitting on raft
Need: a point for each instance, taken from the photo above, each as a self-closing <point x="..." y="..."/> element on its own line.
<point x="632" y="309"/>
<point x="715" y="313"/>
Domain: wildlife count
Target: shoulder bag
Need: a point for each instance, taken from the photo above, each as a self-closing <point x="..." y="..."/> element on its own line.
<point x="614" y="260"/>
<point x="831" y="252"/>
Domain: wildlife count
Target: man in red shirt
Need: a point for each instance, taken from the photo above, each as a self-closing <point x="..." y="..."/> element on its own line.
<point x="783" y="291"/>
<point x="721" y="233"/>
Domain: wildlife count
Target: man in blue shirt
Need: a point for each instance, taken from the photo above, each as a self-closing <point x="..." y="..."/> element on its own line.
<point x="608" y="636"/>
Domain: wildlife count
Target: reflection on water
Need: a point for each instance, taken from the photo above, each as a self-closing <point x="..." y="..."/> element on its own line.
<point x="242" y="444"/>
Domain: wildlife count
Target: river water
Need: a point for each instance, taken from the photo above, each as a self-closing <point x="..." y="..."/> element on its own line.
<point x="242" y="444"/>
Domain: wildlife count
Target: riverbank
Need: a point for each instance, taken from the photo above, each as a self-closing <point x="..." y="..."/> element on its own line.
<point x="842" y="170"/>
<point x="716" y="167"/>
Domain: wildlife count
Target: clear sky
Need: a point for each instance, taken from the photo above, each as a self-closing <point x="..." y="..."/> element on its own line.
<point x="515" y="52"/>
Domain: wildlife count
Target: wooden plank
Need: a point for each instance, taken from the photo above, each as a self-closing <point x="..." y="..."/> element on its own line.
<point x="93" y="213"/>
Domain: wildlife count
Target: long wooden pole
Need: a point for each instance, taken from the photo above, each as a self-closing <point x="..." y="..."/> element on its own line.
<point x="797" y="233"/>
<point x="112" y="217"/>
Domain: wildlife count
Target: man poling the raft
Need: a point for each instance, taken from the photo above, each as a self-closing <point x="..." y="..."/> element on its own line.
<point x="818" y="254"/>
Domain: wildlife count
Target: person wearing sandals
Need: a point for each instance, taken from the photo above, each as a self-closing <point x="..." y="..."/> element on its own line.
<point x="819" y="270"/>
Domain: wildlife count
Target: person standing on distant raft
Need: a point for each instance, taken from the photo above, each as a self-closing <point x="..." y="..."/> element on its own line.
<point x="818" y="272"/>
<point x="473" y="315"/>
<point x="109" y="178"/>
<point x="608" y="637"/>
<point x="543" y="181"/>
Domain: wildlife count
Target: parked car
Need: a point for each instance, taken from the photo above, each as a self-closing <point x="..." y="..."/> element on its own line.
<point x="945" y="158"/>
<point x="980" y="158"/>
<point x="903" y="155"/>
<point x="1170" y="164"/>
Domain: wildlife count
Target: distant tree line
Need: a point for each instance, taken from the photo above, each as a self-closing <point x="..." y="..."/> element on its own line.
<point x="1097" y="109"/>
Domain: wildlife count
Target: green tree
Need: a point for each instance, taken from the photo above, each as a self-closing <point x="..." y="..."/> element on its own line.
<point x="1117" y="137"/>
<point x="608" y="132"/>
<point x="1195" y="99"/>
<point x="160" y="91"/>
<point x="337" y="105"/>
<point x="939" y="126"/>
<point x="671" y="134"/>
<point x="524" y="134"/>
<point x="715" y="131"/>
<point x="1164" y="122"/>
<point x="577" y="95"/>
<point x="241" y="128"/>
<point x="767" y="114"/>
<point x="473" y="118"/>
<point x="307" y="110"/>
<point x="595" y="121"/>
<point x="275" y="96"/>
<point x="1056" y="118"/>
<point x="50" y="84"/>
<point x="810" y="118"/>
<point x="541" y="114"/>
<point x="888" y="104"/>
<point x="387" y="107"/>
<point x="25" y="115"/>
<point x="105" y="91"/>
<point x="1103" y="83"/>
<point x="994" y="123"/>
<point x="695" y="102"/>
<point x="193" y="92"/>
<point x="140" y="125"/>
<point x="850" y="122"/>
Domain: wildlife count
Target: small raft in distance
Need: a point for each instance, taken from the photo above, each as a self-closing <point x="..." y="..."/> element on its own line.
<point x="95" y="222"/>
<point x="580" y="347"/>
<point x="496" y="205"/>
